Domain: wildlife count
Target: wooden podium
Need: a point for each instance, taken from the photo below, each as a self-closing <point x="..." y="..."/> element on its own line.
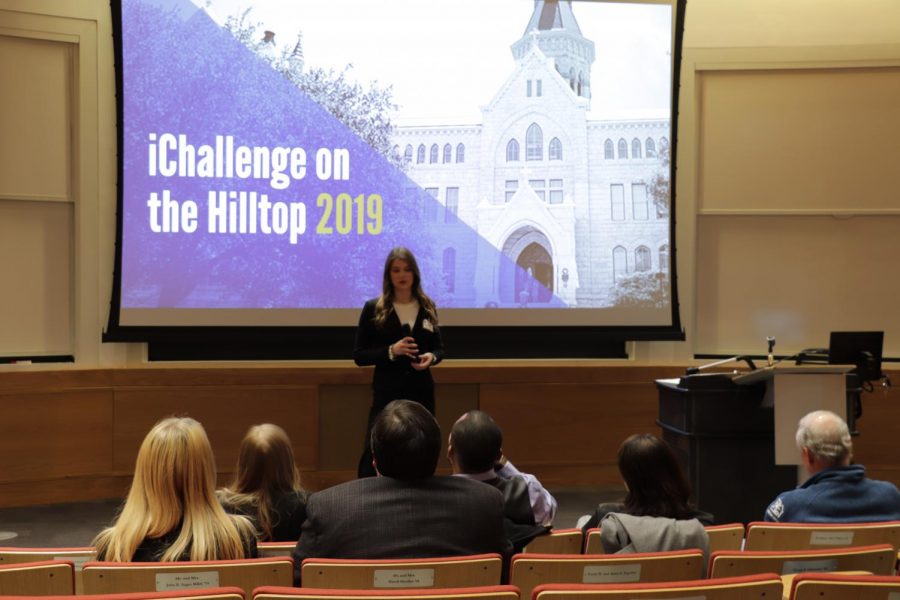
<point x="734" y="432"/>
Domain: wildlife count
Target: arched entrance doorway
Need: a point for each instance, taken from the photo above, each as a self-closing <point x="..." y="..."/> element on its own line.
<point x="532" y="282"/>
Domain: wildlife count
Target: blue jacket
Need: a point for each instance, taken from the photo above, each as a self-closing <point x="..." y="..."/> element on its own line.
<point x="837" y="495"/>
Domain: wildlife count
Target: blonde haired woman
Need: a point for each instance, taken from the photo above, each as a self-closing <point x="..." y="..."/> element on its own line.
<point x="171" y="512"/>
<point x="266" y="486"/>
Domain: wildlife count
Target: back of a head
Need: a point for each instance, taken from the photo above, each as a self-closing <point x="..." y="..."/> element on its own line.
<point x="266" y="462"/>
<point x="406" y="441"/>
<point x="174" y="485"/>
<point x="477" y="442"/>
<point x="656" y="484"/>
<point x="826" y="436"/>
<point x="175" y="469"/>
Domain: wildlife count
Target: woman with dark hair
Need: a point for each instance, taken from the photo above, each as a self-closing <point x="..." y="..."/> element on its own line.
<point x="398" y="333"/>
<point x="266" y="487"/>
<point x="655" y="515"/>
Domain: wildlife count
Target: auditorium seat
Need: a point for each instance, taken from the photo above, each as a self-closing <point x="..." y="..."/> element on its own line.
<point x="360" y="574"/>
<point x="496" y="592"/>
<point x="729" y="536"/>
<point x="77" y="556"/>
<point x="805" y="536"/>
<point x="721" y="537"/>
<point x="230" y="593"/>
<point x="43" y="578"/>
<point x="755" y="587"/>
<point x="226" y="593"/>
<point x="528" y="571"/>
<point x="592" y="543"/>
<point x="879" y="559"/>
<point x="269" y="549"/>
<point x="837" y="586"/>
<point x="558" y="541"/>
<point x="247" y="574"/>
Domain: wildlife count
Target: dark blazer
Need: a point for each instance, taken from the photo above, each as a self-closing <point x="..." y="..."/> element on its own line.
<point x="396" y="379"/>
<point x="382" y="517"/>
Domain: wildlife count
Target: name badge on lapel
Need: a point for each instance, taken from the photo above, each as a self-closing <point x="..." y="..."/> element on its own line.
<point x="426" y="325"/>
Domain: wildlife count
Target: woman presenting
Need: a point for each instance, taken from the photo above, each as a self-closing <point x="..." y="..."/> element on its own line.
<point x="398" y="333"/>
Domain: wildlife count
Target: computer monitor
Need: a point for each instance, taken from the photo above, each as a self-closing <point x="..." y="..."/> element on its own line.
<point x="860" y="348"/>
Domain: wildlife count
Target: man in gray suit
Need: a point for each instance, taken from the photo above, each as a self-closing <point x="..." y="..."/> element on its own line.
<point x="405" y="512"/>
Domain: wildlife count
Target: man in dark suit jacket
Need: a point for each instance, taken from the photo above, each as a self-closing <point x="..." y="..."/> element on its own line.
<point x="405" y="512"/>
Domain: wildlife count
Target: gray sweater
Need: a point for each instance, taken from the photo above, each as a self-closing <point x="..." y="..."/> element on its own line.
<point x="626" y="534"/>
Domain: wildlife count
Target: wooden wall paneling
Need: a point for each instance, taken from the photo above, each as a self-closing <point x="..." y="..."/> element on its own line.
<point x="55" y="445"/>
<point x="569" y="434"/>
<point x="343" y="413"/>
<point x="877" y="446"/>
<point x="225" y="412"/>
<point x="451" y="402"/>
<point x="73" y="434"/>
<point x="54" y="434"/>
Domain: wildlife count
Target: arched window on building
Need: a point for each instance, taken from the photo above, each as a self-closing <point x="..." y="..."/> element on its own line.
<point x="608" y="150"/>
<point x="420" y="154"/>
<point x="642" y="258"/>
<point x="534" y="143"/>
<point x="433" y="155"/>
<point x="449" y="264"/>
<point x="635" y="148"/>
<point x="580" y="83"/>
<point x="396" y="150"/>
<point x="572" y="78"/>
<point x="623" y="149"/>
<point x="512" y="150"/>
<point x="651" y="148"/>
<point x="407" y="154"/>
<point x="664" y="258"/>
<point x="460" y="153"/>
<point x="663" y="144"/>
<point x="620" y="263"/>
<point x="555" y="149"/>
<point x="448" y="153"/>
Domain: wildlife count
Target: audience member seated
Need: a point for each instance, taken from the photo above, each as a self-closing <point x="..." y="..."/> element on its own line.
<point x="171" y="512"/>
<point x="475" y="450"/>
<point x="656" y="515"/>
<point x="266" y="486"/>
<point x="836" y="491"/>
<point x="405" y="512"/>
<point x="667" y="496"/>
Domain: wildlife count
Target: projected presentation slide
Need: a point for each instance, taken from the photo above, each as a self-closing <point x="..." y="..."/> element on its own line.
<point x="274" y="152"/>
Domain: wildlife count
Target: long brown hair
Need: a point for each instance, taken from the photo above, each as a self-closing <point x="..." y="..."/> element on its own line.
<point x="385" y="303"/>
<point x="265" y="468"/>
<point x="174" y="483"/>
<point x="656" y="484"/>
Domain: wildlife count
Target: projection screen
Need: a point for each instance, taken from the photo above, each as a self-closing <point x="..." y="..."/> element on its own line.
<point x="273" y="152"/>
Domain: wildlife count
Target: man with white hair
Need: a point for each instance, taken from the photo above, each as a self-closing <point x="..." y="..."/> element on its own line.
<point x="836" y="491"/>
